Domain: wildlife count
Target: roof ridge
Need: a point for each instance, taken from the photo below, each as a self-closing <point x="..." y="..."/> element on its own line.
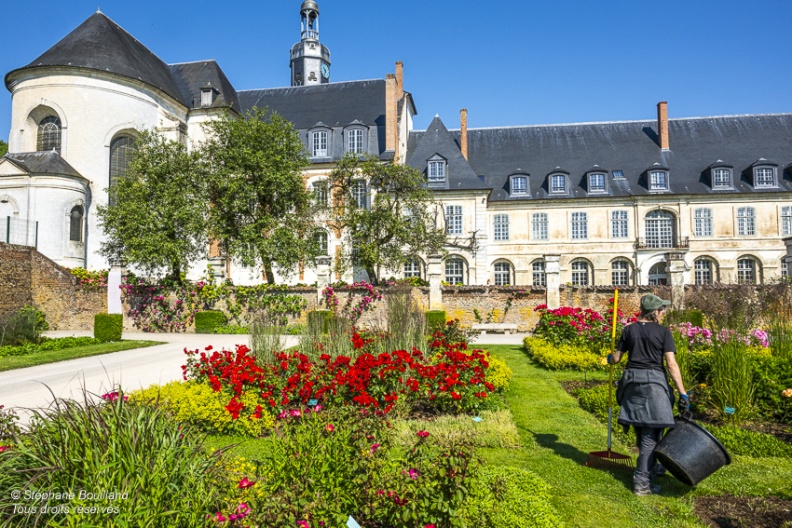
<point x="311" y="85"/>
<point x="190" y="62"/>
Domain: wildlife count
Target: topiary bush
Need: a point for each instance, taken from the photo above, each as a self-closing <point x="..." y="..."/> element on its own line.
<point x="561" y="357"/>
<point x="435" y="319"/>
<point x="207" y="321"/>
<point x="108" y="327"/>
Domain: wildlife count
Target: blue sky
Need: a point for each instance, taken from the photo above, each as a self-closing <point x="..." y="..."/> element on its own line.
<point x="508" y="63"/>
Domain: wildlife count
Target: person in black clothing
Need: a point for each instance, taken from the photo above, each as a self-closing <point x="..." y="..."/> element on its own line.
<point x="644" y="392"/>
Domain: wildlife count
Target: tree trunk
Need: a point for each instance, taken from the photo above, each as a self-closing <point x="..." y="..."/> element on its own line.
<point x="268" y="273"/>
<point x="176" y="272"/>
<point x="373" y="277"/>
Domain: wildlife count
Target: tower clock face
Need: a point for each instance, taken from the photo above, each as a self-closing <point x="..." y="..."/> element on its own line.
<point x="325" y="71"/>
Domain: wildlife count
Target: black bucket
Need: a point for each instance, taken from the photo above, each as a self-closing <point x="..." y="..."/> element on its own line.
<point x="690" y="452"/>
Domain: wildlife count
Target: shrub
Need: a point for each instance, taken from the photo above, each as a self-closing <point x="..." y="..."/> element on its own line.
<point x="559" y="357"/>
<point x="772" y="376"/>
<point x="206" y="322"/>
<point x="197" y="404"/>
<point x="23" y="326"/>
<point x="47" y="345"/>
<point x="498" y="373"/>
<point x="159" y="471"/>
<point x="576" y="326"/>
<point x="8" y="425"/>
<point x="509" y="496"/>
<point x="732" y="381"/>
<point x="738" y="441"/>
<point x="108" y="327"/>
<point x="435" y="319"/>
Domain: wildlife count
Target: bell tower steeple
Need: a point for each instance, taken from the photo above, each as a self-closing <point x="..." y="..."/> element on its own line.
<point x="310" y="60"/>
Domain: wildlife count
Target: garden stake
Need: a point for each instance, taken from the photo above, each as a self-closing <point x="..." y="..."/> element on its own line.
<point x="608" y="459"/>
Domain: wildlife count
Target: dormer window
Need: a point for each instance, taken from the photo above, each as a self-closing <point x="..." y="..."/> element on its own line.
<point x="319" y="142"/>
<point x="722" y="178"/>
<point x="596" y="182"/>
<point x="208" y="96"/>
<point x="558" y="184"/>
<point x="436" y="170"/>
<point x="519" y="185"/>
<point x="658" y="180"/>
<point x="618" y="175"/>
<point x="355" y="140"/>
<point x="764" y="175"/>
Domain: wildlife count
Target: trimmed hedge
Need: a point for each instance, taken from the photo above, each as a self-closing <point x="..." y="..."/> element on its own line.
<point x="48" y="345"/>
<point x="207" y="321"/>
<point x="108" y="327"/>
<point x="561" y="357"/>
<point x="435" y="319"/>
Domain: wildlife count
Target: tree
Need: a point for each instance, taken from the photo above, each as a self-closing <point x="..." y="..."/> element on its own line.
<point x="3" y="148"/>
<point x="387" y="212"/>
<point x="260" y="210"/>
<point x="157" y="218"/>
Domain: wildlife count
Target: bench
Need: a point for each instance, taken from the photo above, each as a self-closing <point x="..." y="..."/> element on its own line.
<point x="506" y="328"/>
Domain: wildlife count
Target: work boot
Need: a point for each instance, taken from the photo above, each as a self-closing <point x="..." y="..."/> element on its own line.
<point x="642" y="491"/>
<point x="658" y="470"/>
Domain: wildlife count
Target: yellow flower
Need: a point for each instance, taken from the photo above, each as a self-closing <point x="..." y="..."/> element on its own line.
<point x="703" y="386"/>
<point x="787" y="393"/>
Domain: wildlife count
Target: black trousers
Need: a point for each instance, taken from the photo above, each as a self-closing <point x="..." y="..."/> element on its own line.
<point x="647" y="439"/>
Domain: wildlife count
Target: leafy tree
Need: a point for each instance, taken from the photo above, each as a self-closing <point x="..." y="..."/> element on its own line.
<point x="387" y="212"/>
<point x="3" y="147"/>
<point x="158" y="214"/>
<point x="261" y="210"/>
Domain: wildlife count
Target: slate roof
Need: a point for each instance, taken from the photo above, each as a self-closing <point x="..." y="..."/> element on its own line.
<point x="437" y="140"/>
<point x="191" y="77"/>
<point x="101" y="44"/>
<point x="43" y="163"/>
<point x="696" y="144"/>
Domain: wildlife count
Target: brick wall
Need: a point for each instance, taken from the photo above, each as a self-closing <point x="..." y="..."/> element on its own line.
<point x="15" y="277"/>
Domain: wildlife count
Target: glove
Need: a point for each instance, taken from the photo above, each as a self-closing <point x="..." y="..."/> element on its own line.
<point x="683" y="405"/>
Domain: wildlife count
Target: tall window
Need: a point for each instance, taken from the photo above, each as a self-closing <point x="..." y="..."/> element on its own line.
<point x="596" y="182"/>
<point x="658" y="275"/>
<point x="746" y="271"/>
<point x="619" y="224"/>
<point x="360" y="194"/>
<point x="319" y="144"/>
<point x="437" y="172"/>
<point x="355" y="141"/>
<point x="579" y="226"/>
<point x="702" y="222"/>
<point x="558" y="183"/>
<point x="321" y="241"/>
<point x="412" y="268"/>
<point x="501" y="224"/>
<point x="454" y="219"/>
<point x="121" y="150"/>
<point x="539" y="278"/>
<point x="703" y="271"/>
<point x="580" y="273"/>
<point x="764" y="177"/>
<point x="455" y="271"/>
<point x="519" y="185"/>
<point x="784" y="268"/>
<point x="49" y="134"/>
<point x="620" y="273"/>
<point x="721" y="179"/>
<point x="658" y="181"/>
<point x="539" y="226"/>
<point x="320" y="193"/>
<point x="76" y="224"/>
<point x="502" y="274"/>
<point x="746" y="221"/>
<point x="659" y="229"/>
<point x="786" y="221"/>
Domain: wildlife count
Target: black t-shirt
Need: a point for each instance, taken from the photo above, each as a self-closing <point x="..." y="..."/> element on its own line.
<point x="645" y="344"/>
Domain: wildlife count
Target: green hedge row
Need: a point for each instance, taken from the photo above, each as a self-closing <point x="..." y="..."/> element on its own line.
<point x="47" y="345"/>
<point x="206" y="322"/>
<point x="108" y="327"/>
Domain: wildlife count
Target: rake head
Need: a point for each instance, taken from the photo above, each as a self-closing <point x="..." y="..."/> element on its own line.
<point x="609" y="460"/>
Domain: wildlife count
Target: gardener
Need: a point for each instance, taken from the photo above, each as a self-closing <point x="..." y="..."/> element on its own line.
<point x="644" y="392"/>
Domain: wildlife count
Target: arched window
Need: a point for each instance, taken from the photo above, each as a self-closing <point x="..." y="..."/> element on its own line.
<point x="503" y="273"/>
<point x="658" y="275"/>
<point x="705" y="271"/>
<point x="581" y="273"/>
<point x="121" y="150"/>
<point x="538" y="276"/>
<point x="660" y="232"/>
<point x="49" y="134"/>
<point x="412" y="268"/>
<point x="749" y="270"/>
<point x="621" y="273"/>
<point x="76" y="224"/>
<point x="455" y="270"/>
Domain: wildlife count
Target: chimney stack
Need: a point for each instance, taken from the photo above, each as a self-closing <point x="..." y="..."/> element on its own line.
<point x="662" y="124"/>
<point x="399" y="80"/>
<point x="463" y="134"/>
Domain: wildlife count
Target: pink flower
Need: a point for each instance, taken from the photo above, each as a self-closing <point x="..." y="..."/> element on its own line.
<point x="374" y="447"/>
<point x="303" y="524"/>
<point x="423" y="434"/>
<point x="296" y="412"/>
<point x="329" y="428"/>
<point x="245" y="483"/>
<point x="4" y="448"/>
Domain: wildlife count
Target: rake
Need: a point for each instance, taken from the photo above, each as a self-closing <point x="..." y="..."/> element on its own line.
<point x="609" y="459"/>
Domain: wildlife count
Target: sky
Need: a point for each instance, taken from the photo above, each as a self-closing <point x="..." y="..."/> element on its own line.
<point x="513" y="63"/>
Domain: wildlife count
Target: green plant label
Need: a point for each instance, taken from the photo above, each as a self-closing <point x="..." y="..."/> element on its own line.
<point x="729" y="410"/>
<point x="477" y="419"/>
<point x="352" y="523"/>
<point x="312" y="403"/>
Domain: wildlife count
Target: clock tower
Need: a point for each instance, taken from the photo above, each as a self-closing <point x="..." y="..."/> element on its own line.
<point x="310" y="60"/>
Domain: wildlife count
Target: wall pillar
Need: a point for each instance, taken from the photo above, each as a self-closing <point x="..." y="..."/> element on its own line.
<point x="553" y="280"/>
<point x="434" y="270"/>
<point x="677" y="271"/>
<point x="114" y="305"/>
<point x="322" y="276"/>
<point x="788" y="242"/>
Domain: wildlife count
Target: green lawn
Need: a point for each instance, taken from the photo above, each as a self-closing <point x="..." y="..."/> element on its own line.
<point x="557" y="435"/>
<point x="42" y="358"/>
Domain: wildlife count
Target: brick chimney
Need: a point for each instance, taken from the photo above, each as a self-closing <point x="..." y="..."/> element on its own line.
<point x="391" y="112"/>
<point x="463" y="134"/>
<point x="662" y="124"/>
<point x="399" y="80"/>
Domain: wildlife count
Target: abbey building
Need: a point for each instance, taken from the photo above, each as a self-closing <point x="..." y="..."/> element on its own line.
<point x="704" y="199"/>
